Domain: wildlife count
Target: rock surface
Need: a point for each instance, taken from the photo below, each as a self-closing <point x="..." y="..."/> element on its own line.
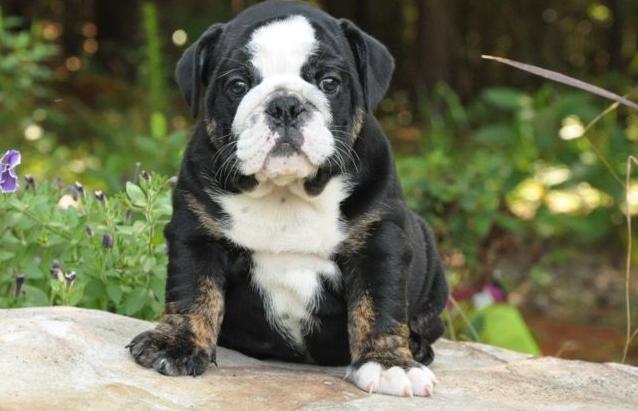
<point x="69" y="359"/>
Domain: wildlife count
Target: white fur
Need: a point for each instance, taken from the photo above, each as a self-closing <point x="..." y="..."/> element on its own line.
<point x="278" y="52"/>
<point x="292" y="236"/>
<point x="372" y="377"/>
<point x="291" y="287"/>
<point x="284" y="170"/>
<point x="282" y="47"/>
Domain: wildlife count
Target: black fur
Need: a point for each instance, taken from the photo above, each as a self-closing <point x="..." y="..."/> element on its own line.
<point x="396" y="265"/>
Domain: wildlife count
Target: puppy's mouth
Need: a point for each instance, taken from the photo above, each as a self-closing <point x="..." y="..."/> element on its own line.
<point x="285" y="163"/>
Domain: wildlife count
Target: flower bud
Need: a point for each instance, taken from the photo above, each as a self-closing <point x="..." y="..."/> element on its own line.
<point x="100" y="196"/>
<point x="56" y="270"/>
<point x="19" y="283"/>
<point x="107" y="241"/>
<point x="30" y="182"/>
<point x="69" y="278"/>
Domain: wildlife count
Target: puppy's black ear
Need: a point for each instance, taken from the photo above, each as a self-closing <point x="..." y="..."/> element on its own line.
<point x="374" y="62"/>
<point x="194" y="67"/>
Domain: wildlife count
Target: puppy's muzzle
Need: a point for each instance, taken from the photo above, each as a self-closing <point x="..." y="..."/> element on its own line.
<point x="286" y="116"/>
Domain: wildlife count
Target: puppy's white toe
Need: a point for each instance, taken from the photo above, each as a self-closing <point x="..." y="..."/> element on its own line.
<point x="372" y="377"/>
<point x="394" y="381"/>
<point x="422" y="380"/>
<point x="366" y="377"/>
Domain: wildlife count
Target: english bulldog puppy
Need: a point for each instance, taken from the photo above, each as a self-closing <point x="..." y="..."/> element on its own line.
<point x="290" y="237"/>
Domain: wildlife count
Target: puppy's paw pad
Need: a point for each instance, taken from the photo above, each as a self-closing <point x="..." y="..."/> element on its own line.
<point x="169" y="355"/>
<point x="193" y="364"/>
<point x="372" y="377"/>
<point x="145" y="348"/>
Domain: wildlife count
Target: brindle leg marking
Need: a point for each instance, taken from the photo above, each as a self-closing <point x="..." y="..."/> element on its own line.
<point x="185" y="340"/>
<point x="383" y="362"/>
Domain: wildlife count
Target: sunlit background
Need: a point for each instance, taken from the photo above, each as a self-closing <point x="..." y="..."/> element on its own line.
<point x="526" y="197"/>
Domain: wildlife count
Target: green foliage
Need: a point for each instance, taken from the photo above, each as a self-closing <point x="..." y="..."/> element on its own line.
<point x="72" y="140"/>
<point x="22" y="72"/>
<point x="481" y="167"/>
<point x="114" y="245"/>
<point x="155" y="73"/>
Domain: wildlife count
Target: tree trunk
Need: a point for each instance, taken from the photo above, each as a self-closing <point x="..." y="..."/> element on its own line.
<point x="433" y="60"/>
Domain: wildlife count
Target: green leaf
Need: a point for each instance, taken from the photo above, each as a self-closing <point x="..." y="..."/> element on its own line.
<point x="135" y="194"/>
<point x="158" y="287"/>
<point x="134" y="301"/>
<point x="505" y="98"/>
<point x="75" y="294"/>
<point x="495" y="135"/>
<point x="34" y="296"/>
<point x="6" y="255"/>
<point x="115" y="293"/>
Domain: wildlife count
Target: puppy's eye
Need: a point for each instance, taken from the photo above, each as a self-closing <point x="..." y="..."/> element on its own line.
<point x="238" y="88"/>
<point x="330" y="85"/>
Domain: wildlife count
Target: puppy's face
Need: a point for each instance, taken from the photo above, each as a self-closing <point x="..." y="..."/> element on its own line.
<point x="289" y="92"/>
<point x="285" y="91"/>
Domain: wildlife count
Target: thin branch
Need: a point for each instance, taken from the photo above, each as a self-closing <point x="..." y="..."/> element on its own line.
<point x="561" y="78"/>
<point x="630" y="160"/>
<point x="466" y="320"/>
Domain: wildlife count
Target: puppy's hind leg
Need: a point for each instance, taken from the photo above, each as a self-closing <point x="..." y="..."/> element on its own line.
<point x="378" y="330"/>
<point x="425" y="328"/>
<point x="425" y="323"/>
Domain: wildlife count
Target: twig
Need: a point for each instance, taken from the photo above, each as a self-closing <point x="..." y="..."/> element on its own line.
<point x="448" y="318"/>
<point x="467" y="322"/>
<point x="561" y="78"/>
<point x="598" y="153"/>
<point x="630" y="160"/>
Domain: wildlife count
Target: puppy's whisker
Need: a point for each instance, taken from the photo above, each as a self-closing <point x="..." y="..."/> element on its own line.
<point x="223" y="151"/>
<point x="345" y="149"/>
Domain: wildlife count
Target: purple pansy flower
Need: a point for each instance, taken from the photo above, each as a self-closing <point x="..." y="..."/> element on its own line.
<point x="8" y="177"/>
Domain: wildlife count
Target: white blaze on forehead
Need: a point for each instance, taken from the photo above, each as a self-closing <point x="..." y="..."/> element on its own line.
<point x="282" y="47"/>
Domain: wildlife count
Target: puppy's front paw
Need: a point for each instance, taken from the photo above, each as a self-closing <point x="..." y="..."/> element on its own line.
<point x="373" y="377"/>
<point x="171" y="350"/>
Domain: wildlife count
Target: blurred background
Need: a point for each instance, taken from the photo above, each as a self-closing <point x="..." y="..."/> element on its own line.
<point x="527" y="201"/>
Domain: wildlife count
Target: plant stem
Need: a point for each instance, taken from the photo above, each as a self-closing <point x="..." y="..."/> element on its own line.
<point x="54" y="230"/>
<point x="629" y="337"/>
<point x="465" y="319"/>
<point x="448" y="319"/>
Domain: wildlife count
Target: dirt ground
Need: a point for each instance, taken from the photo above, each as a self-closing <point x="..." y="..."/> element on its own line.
<point x="575" y="305"/>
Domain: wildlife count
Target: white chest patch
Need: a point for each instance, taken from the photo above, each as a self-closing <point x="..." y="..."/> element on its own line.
<point x="292" y="236"/>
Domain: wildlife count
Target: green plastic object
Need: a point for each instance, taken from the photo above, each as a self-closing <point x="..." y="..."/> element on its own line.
<point x="503" y="325"/>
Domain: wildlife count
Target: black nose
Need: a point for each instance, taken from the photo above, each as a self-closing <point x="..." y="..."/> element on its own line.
<point x="285" y="109"/>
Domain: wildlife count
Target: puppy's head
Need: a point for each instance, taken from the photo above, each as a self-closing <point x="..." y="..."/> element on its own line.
<point x="284" y="89"/>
